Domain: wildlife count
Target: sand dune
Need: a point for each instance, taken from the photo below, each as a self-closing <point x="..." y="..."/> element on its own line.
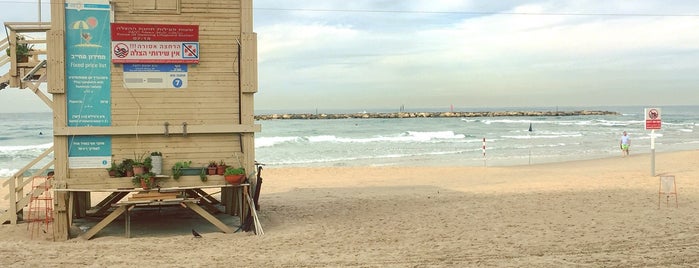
<point x="597" y="213"/>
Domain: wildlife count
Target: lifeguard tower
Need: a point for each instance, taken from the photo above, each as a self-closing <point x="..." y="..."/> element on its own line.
<point x="131" y="78"/>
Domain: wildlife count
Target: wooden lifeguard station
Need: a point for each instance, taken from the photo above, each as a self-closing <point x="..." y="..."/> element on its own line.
<point x="130" y="77"/>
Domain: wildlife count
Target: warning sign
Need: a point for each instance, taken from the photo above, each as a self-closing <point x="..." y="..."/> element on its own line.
<point x="155" y="52"/>
<point x="154" y="43"/>
<point x="653" y="120"/>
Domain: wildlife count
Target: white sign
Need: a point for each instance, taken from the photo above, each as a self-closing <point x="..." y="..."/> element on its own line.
<point x="155" y="75"/>
<point x="89" y="162"/>
<point x="155" y="52"/>
<point x="653" y="119"/>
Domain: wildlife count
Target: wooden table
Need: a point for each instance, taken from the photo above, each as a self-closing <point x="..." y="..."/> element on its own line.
<point x="124" y="207"/>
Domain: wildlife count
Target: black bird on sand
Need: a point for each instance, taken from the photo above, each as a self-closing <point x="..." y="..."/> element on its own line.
<point x="195" y="234"/>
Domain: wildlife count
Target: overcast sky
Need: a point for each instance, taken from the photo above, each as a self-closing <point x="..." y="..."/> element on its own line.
<point x="364" y="54"/>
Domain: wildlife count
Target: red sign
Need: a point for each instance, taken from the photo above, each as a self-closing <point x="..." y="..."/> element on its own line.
<point x="154" y="32"/>
<point x="653" y="124"/>
<point x="155" y="52"/>
<point x="155" y="43"/>
<point x="653" y="118"/>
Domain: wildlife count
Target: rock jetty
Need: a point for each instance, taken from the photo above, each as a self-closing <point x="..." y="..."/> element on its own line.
<point x="432" y="114"/>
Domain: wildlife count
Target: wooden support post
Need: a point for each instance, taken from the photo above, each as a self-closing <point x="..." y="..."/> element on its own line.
<point x="213" y="220"/>
<point x="56" y="85"/>
<point x="106" y="221"/>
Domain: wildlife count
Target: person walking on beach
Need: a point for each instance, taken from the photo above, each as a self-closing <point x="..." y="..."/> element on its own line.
<point x="624" y="144"/>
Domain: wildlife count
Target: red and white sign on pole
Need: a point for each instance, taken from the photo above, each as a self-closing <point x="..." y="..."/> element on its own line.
<point x="653" y="118"/>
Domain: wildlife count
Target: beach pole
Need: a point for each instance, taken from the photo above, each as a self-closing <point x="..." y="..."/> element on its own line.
<point x="484" y="159"/>
<point x="652" y="153"/>
<point x="530" y="143"/>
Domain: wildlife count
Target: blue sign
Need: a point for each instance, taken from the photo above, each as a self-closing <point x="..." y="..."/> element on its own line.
<point x="88" y="79"/>
<point x="141" y="67"/>
<point x="140" y="75"/>
<point x="177" y="83"/>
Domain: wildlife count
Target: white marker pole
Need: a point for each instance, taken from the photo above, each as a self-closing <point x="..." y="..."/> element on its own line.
<point x="484" y="159"/>
<point x="652" y="153"/>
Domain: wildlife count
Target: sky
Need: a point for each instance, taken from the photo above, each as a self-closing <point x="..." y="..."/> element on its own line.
<point x="363" y="54"/>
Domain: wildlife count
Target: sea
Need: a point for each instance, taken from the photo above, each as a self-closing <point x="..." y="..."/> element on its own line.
<point x="475" y="141"/>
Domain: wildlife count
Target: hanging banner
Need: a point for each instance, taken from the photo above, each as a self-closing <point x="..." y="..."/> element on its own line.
<point x="88" y="79"/>
<point x="154" y="43"/>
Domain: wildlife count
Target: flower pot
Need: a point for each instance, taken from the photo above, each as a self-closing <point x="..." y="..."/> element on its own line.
<point x="221" y="169"/>
<point x="144" y="185"/>
<point x="129" y="173"/>
<point x="234" y="179"/>
<point x="190" y="171"/>
<point x="211" y="171"/>
<point x="139" y="170"/>
<point x="112" y="173"/>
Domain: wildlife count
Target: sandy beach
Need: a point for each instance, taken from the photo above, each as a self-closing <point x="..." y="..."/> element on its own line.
<point x="593" y="213"/>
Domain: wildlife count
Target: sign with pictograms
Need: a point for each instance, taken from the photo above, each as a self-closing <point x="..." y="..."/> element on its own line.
<point x="653" y="120"/>
<point x="154" y="43"/>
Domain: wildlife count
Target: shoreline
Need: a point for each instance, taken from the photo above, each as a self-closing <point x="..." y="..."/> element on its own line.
<point x="430" y="114"/>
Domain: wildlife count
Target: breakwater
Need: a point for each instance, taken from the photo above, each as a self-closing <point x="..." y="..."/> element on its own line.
<point x="431" y="114"/>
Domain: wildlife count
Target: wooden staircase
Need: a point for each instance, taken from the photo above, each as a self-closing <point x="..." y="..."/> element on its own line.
<point x="24" y="75"/>
<point x="16" y="185"/>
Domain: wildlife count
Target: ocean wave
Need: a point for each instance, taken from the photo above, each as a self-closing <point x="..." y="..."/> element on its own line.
<point x="6" y="172"/>
<point x="408" y="136"/>
<point x="262" y="142"/>
<point x="597" y="122"/>
<point x="9" y="150"/>
<point x="364" y="157"/>
<point x="541" y="136"/>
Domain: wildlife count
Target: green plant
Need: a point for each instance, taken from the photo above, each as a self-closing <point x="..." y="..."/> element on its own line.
<point x="115" y="170"/>
<point x="22" y="49"/>
<point x="148" y="162"/>
<point x="177" y="169"/>
<point x="234" y="171"/>
<point x="114" y="166"/>
<point x="202" y="175"/>
<point x="221" y="163"/>
<point x="156" y="154"/>
<point x="147" y="178"/>
<point x="212" y="164"/>
<point x="139" y="160"/>
<point x="126" y="165"/>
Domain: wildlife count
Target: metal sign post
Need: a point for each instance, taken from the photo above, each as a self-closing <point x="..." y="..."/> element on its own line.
<point x="653" y="122"/>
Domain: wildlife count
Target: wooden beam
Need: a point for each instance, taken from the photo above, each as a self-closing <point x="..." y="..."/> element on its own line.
<point x="204" y="214"/>
<point x="155" y="130"/>
<point x="106" y="221"/>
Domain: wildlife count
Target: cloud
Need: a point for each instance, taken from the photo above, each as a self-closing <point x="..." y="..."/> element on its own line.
<point x="513" y="56"/>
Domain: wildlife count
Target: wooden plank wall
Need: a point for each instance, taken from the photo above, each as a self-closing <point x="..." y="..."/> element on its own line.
<point x="212" y="97"/>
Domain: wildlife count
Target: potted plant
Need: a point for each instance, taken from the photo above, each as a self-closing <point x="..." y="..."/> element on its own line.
<point x="145" y="180"/>
<point x="178" y="169"/>
<point x="211" y="168"/>
<point x="139" y="166"/>
<point x="113" y="170"/>
<point x="156" y="162"/>
<point x="22" y="50"/>
<point x="221" y="168"/>
<point x="234" y="175"/>
<point x="202" y="175"/>
<point x="126" y="167"/>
